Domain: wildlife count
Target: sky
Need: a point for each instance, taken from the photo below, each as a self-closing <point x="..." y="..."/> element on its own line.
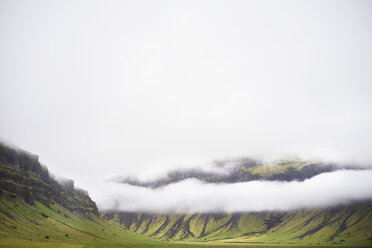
<point x="105" y="88"/>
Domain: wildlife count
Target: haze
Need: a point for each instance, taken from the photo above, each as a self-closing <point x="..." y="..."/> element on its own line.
<point x="191" y="195"/>
<point x="100" y="89"/>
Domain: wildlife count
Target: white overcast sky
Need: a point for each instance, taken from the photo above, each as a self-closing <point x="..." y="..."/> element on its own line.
<point x="106" y="88"/>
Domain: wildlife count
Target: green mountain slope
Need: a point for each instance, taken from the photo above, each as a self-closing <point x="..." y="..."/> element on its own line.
<point x="22" y="176"/>
<point x="345" y="224"/>
<point x="38" y="211"/>
<point x="348" y="224"/>
<point x="24" y="225"/>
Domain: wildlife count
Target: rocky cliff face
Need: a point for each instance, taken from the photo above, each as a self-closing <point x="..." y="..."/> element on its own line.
<point x="22" y="176"/>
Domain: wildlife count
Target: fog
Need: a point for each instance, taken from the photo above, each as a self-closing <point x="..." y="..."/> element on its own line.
<point x="105" y="88"/>
<point x="190" y="196"/>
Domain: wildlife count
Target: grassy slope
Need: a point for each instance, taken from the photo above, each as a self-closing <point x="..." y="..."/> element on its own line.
<point x="36" y="211"/>
<point x="342" y="225"/>
<point x="24" y="225"/>
<point x="268" y="170"/>
<point x="350" y="225"/>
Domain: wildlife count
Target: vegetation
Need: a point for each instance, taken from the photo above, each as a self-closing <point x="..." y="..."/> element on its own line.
<point x="22" y="176"/>
<point x="340" y="225"/>
<point x="25" y="225"/>
<point x="38" y="211"/>
<point x="243" y="170"/>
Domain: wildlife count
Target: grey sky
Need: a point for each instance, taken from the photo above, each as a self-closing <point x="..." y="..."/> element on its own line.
<point x="102" y="88"/>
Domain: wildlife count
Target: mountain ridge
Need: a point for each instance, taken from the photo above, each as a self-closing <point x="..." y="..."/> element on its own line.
<point x="22" y="175"/>
<point x="326" y="225"/>
<point x="243" y="170"/>
<point x="36" y="210"/>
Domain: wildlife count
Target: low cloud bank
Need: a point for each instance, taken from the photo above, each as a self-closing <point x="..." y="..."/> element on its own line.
<point x="327" y="189"/>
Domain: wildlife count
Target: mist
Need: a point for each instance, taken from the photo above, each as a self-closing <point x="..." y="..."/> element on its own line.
<point x="99" y="89"/>
<point x="193" y="196"/>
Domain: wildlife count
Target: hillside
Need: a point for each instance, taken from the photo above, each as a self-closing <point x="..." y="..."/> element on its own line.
<point x="22" y="176"/>
<point x="346" y="224"/>
<point x="38" y="211"/>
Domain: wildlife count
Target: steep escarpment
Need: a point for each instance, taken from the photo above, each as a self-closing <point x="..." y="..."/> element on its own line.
<point x="22" y="176"/>
<point x="37" y="211"/>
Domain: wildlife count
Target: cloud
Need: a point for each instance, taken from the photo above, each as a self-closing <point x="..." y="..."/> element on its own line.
<point x="324" y="190"/>
<point x="102" y="89"/>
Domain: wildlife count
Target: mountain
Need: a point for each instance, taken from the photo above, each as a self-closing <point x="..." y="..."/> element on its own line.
<point x="350" y="224"/>
<point x="346" y="224"/>
<point x="242" y="170"/>
<point x="22" y="176"/>
<point x="38" y="211"/>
